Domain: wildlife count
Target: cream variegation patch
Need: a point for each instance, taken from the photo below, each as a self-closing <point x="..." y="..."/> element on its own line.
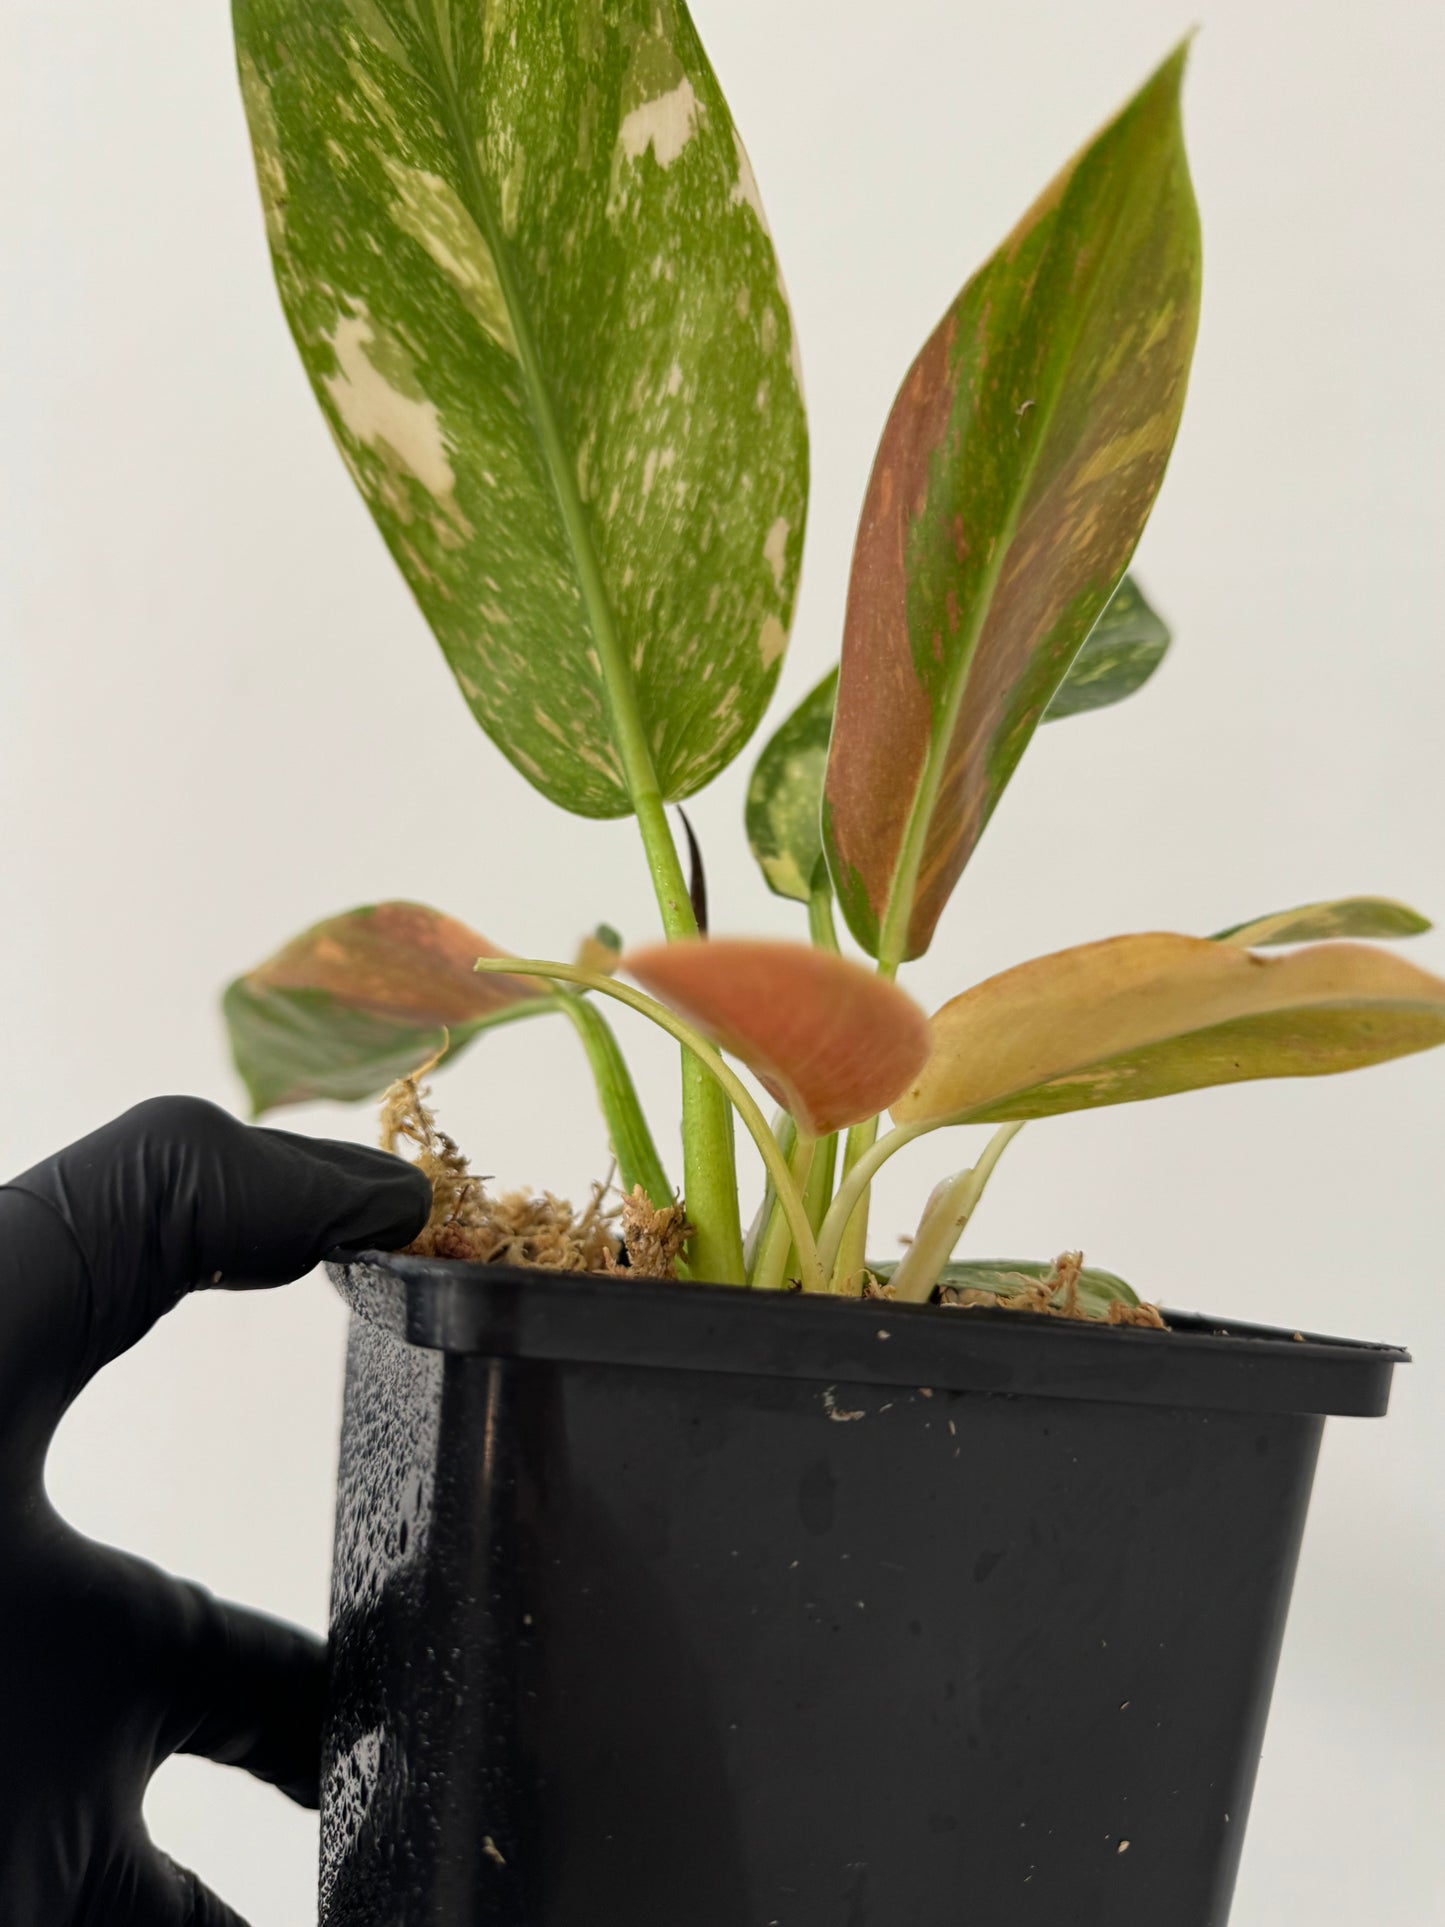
<point x="775" y="551"/>
<point x="665" y="124"/>
<point x="431" y="211"/>
<point x="772" y="641"/>
<point x="744" y="191"/>
<point x="379" y="415"/>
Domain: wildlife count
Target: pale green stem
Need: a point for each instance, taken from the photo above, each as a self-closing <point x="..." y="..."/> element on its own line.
<point x="854" y="1189"/>
<point x="818" y="1192"/>
<point x="946" y="1215"/>
<point x="785" y="1133"/>
<point x="824" y="932"/>
<point x="772" y="1268"/>
<point x="845" y="1271"/>
<point x="821" y="927"/>
<point x="709" y="1166"/>
<point x="668" y="1020"/>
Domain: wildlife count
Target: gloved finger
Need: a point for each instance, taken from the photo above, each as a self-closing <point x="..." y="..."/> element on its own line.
<point x="148" y="1889"/>
<point x="246" y="1690"/>
<point x="177" y="1193"/>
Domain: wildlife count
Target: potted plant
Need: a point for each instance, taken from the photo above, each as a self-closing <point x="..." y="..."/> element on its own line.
<point x="684" y="1575"/>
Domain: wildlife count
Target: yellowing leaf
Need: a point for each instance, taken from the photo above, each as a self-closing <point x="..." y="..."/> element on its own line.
<point x="1145" y="1016"/>
<point x="830" y="1040"/>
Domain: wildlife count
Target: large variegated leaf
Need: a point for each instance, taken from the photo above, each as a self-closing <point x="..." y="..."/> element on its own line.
<point x="785" y="795"/>
<point x="1146" y="1016"/>
<point x="1339" y="917"/>
<point x="524" y="259"/>
<point x="832" y="1041"/>
<point x="1014" y="477"/>
<point x="1121" y="652"/>
<point x="362" y="999"/>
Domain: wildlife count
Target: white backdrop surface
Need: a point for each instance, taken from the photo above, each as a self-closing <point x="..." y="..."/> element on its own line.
<point x="221" y="717"/>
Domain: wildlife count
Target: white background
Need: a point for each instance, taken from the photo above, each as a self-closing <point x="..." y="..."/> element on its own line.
<point x="222" y="718"/>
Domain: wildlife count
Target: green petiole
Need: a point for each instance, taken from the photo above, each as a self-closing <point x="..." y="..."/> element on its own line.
<point x="789" y="1196"/>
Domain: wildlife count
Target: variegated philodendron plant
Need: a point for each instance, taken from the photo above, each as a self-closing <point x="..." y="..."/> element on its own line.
<point x="525" y="261"/>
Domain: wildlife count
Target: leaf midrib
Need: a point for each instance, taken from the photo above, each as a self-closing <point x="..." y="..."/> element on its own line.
<point x="629" y="736"/>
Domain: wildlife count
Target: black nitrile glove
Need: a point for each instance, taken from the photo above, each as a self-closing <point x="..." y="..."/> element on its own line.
<point x="107" y="1666"/>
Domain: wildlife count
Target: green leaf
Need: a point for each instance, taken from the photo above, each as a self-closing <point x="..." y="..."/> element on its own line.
<point x="1121" y="652"/>
<point x="1341" y="917"/>
<point x="294" y="1046"/>
<point x="525" y="262"/>
<point x="1014" y="477"/>
<point x="1147" y="1016"/>
<point x="1009" y="1276"/>
<point x="785" y="796"/>
<point x="363" y="998"/>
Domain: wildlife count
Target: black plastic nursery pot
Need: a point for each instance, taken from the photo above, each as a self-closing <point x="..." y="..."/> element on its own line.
<point x="670" y="1605"/>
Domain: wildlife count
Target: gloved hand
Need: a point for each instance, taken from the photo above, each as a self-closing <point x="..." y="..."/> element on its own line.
<point x="107" y="1666"/>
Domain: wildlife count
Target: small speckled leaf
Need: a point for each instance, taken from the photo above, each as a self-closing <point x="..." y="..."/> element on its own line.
<point x="1121" y="652"/>
<point x="362" y="999"/>
<point x="1147" y="1016"/>
<point x="785" y="796"/>
<point x="524" y="259"/>
<point x="1380" y="917"/>
<point x="832" y="1041"/>
<point x="1009" y="1276"/>
<point x="1014" y="477"/>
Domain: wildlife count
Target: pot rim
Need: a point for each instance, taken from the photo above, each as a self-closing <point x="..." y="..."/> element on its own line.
<point x="584" y="1318"/>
